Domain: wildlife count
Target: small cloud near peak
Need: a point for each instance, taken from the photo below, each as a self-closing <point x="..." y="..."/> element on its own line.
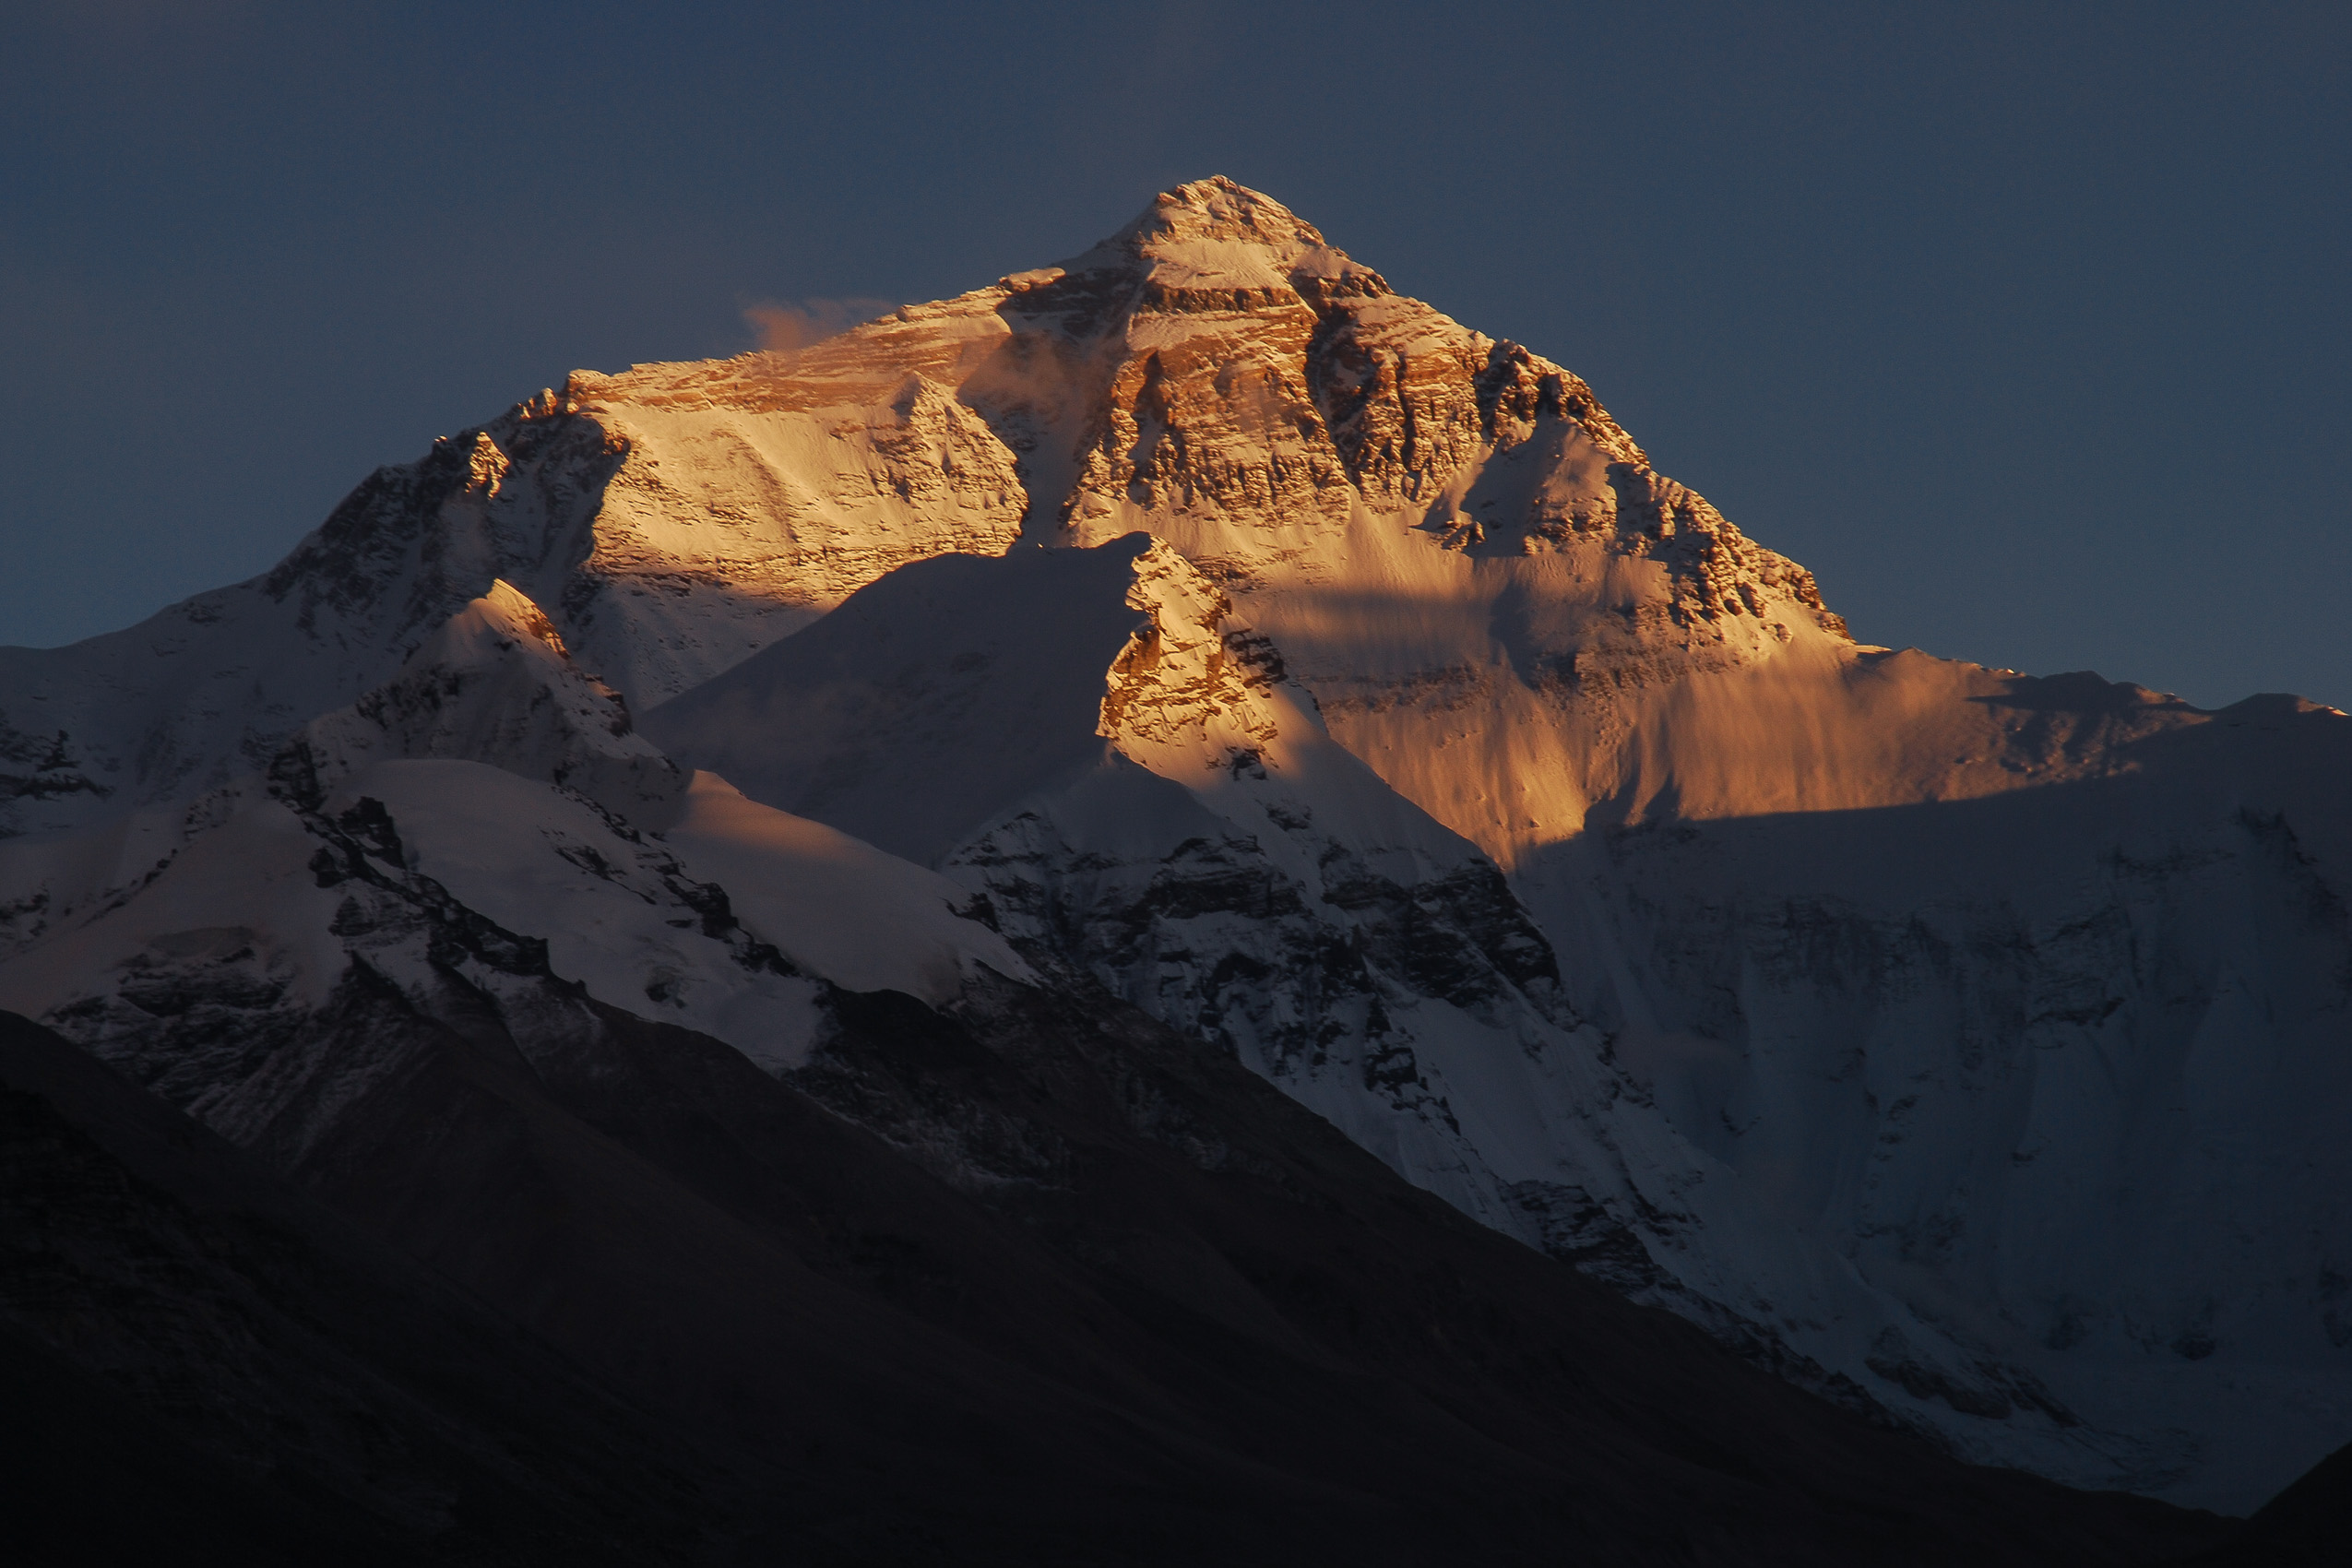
<point x="787" y="326"/>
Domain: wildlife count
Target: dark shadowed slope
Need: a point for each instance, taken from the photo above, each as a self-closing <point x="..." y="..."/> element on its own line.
<point x="2307" y="1525"/>
<point x="1078" y="1289"/>
<point x="202" y="1364"/>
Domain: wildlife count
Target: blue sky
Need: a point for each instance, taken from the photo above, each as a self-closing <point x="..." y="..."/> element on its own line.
<point x="2024" y="327"/>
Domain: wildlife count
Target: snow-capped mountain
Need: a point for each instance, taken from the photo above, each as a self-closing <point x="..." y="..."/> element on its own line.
<point x="1202" y="621"/>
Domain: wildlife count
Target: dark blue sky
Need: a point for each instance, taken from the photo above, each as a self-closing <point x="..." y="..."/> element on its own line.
<point x="2024" y="327"/>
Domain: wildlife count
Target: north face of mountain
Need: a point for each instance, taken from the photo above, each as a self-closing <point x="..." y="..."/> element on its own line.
<point x="1213" y="371"/>
<point x="1963" y="1043"/>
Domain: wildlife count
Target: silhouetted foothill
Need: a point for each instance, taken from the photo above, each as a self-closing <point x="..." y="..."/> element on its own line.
<point x="1037" y="1282"/>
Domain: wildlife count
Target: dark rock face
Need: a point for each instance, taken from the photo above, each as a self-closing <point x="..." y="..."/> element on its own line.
<point x="425" y="526"/>
<point x="1218" y="940"/>
<point x="42" y="767"/>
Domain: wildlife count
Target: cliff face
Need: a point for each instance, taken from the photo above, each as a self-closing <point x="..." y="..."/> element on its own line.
<point x="1201" y="620"/>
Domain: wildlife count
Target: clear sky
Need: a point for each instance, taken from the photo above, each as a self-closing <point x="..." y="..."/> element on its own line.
<point x="2023" y="327"/>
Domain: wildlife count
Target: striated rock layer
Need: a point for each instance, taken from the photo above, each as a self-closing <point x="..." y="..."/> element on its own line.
<point x="1965" y="1045"/>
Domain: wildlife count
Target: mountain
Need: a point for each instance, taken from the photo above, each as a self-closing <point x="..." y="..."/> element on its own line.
<point x="1199" y="628"/>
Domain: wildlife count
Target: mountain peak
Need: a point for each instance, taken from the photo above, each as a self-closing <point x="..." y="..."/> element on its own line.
<point x="1217" y="236"/>
<point x="494" y="684"/>
<point x="505" y="609"/>
<point x="1218" y="208"/>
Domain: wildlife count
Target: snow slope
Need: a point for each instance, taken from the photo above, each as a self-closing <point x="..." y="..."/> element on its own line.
<point x="436" y="836"/>
<point x="1960" y="1041"/>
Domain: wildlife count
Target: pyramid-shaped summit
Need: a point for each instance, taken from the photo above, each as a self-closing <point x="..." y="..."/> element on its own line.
<point x="1220" y="210"/>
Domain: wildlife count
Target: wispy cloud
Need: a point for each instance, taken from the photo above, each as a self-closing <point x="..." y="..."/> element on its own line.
<point x="785" y="327"/>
